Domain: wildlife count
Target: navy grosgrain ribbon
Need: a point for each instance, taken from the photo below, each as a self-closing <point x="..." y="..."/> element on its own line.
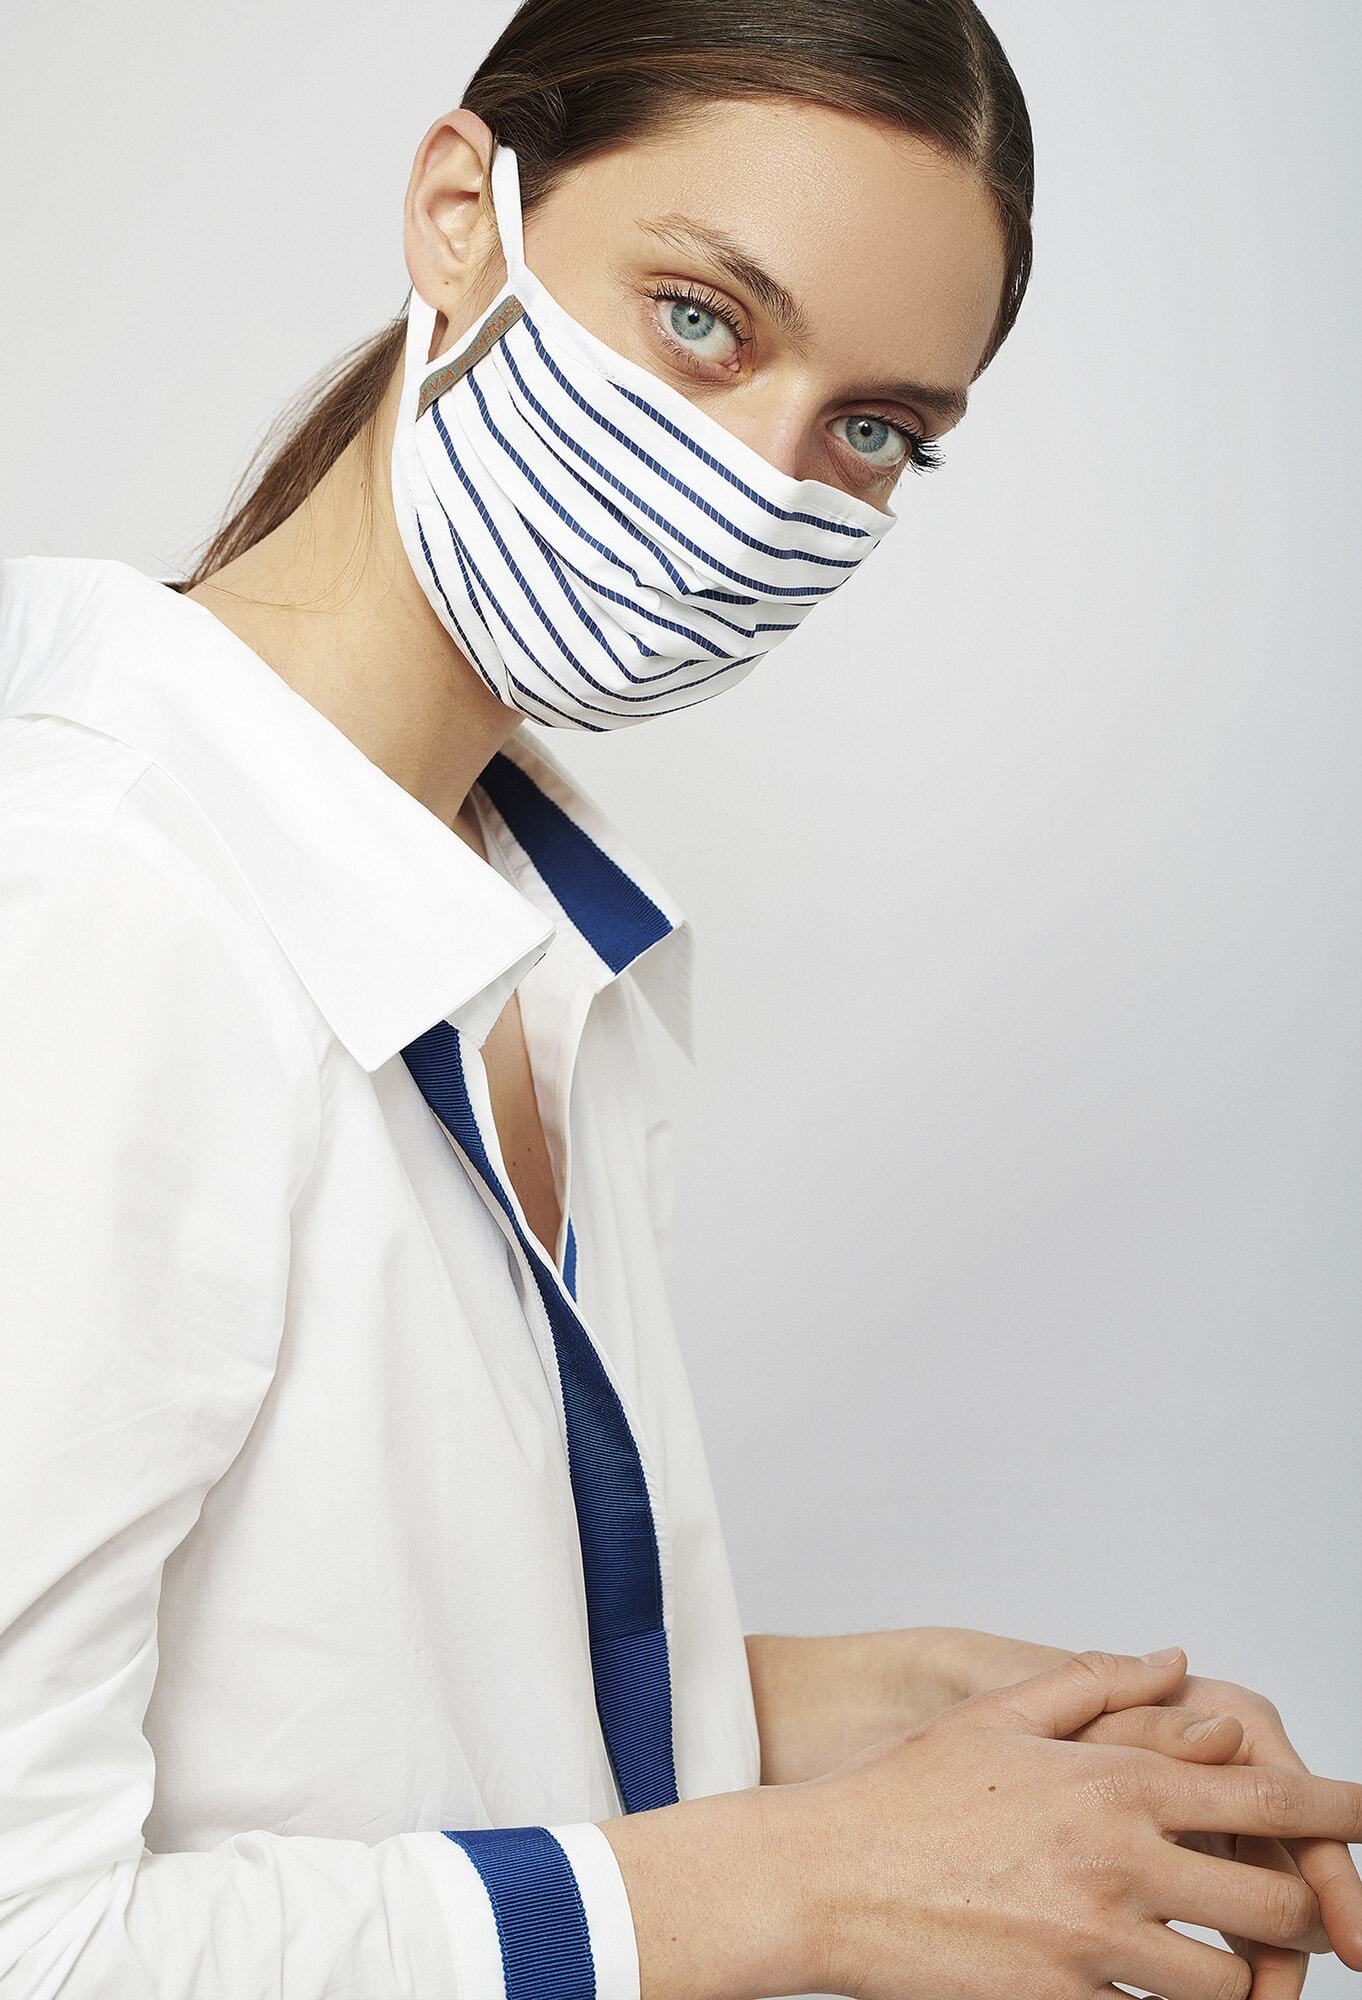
<point x="620" y="1563"/>
<point x="542" y="1925"/>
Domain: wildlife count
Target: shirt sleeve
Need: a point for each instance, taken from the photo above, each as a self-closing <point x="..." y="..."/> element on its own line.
<point x="159" y="1115"/>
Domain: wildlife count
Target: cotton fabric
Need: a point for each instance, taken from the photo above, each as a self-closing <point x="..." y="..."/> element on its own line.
<point x="598" y="544"/>
<point x="292" y="1589"/>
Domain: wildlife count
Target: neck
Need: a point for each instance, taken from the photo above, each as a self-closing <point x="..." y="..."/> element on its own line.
<point x="329" y="601"/>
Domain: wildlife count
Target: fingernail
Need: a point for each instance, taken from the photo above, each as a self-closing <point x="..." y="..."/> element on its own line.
<point x="1200" y="1729"/>
<point x="1162" y="1657"/>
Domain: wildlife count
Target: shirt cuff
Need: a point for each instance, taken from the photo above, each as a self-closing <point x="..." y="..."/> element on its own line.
<point x="614" y="1945"/>
<point x="534" y="1910"/>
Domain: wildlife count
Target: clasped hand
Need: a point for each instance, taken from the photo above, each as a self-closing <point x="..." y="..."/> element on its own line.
<point x="1249" y="1731"/>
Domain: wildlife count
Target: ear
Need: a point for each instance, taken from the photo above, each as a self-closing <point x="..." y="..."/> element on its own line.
<point x="448" y="226"/>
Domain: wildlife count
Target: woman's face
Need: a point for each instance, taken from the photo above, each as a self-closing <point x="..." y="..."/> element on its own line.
<point x="858" y="268"/>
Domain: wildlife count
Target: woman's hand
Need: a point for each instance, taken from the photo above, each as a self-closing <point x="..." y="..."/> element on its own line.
<point x="1278" y="1970"/>
<point x="984" y="1660"/>
<point x="993" y="1847"/>
<point x="822" y="1701"/>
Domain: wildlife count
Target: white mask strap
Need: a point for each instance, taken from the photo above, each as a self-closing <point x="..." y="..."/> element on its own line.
<point x="506" y="207"/>
<point x="415" y="361"/>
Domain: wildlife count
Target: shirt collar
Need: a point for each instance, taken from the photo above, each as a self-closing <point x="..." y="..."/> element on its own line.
<point x="390" y="919"/>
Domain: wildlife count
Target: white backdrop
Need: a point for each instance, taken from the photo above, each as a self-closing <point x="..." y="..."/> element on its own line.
<point x="1018" y="1250"/>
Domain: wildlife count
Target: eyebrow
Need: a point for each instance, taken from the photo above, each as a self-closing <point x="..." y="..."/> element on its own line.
<point x="783" y="307"/>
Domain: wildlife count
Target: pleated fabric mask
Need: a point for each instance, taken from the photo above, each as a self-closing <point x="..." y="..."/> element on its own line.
<point x="598" y="545"/>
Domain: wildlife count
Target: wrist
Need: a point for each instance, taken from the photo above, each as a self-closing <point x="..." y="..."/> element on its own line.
<point x="801" y="1850"/>
<point x="907" y="1675"/>
<point x="822" y="1700"/>
<point x="968" y="1662"/>
<point x="727" y="1894"/>
<point x="950" y="1665"/>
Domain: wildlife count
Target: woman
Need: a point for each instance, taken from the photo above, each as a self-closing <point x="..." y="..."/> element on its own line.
<point x="368" y="1626"/>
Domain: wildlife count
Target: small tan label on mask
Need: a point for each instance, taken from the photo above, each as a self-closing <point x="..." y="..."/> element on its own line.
<point x="491" y="330"/>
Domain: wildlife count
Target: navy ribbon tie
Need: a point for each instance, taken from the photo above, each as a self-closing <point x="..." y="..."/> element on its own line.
<point x="620" y="1564"/>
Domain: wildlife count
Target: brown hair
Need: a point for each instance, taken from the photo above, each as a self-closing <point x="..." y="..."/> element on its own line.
<point x="567" y="78"/>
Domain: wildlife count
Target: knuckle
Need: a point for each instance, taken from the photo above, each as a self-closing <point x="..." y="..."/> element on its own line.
<point x="1122" y="1779"/>
<point x="1248" y="1701"/>
<point x="1101" y="1666"/>
<point x="1105" y="1884"/>
<point x="1235" y="1981"/>
<point x="1276" y="1801"/>
<point x="1091" y="1938"/>
<point x="1288" y="1905"/>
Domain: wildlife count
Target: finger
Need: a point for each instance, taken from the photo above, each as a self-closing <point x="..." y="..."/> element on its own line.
<point x="1278" y="1973"/>
<point x="1331" y="1872"/>
<point x="1262" y="1903"/>
<point x="1253" y="1798"/>
<point x="1164" y="1729"/>
<point x="1062" y="1698"/>
<point x="1327" y="1866"/>
<point x="1261" y="1853"/>
<point x="1182" y="1968"/>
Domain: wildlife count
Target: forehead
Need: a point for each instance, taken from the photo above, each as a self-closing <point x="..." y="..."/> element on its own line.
<point x="892" y="251"/>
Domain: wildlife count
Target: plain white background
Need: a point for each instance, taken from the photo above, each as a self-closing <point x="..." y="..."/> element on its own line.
<point x="1018" y="1250"/>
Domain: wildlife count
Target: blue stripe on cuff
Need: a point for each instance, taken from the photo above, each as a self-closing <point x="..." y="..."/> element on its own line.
<point x="537" y="1902"/>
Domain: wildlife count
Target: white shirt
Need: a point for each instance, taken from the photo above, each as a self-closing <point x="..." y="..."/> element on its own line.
<point x="293" y="1583"/>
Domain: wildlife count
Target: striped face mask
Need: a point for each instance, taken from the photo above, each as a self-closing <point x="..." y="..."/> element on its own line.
<point x="599" y="547"/>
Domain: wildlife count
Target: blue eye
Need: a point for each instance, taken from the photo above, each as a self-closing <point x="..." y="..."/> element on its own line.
<point x="687" y="328"/>
<point x="683" y="318"/>
<point x="869" y="435"/>
<point x="690" y="311"/>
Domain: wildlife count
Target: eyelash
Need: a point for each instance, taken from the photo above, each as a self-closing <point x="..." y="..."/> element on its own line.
<point x="923" y="455"/>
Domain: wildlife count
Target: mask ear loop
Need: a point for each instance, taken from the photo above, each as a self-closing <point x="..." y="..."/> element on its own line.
<point x="506" y="210"/>
<point x="416" y="352"/>
<point x="417" y="358"/>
